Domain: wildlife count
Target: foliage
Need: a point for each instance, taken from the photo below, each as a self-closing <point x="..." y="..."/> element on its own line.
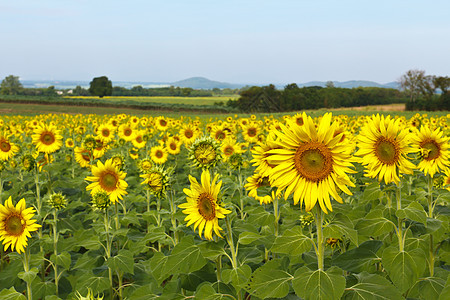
<point x="11" y="85"/>
<point x="100" y="86"/>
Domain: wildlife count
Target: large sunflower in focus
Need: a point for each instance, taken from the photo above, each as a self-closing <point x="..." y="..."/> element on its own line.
<point x="202" y="208"/>
<point x="383" y="147"/>
<point x="311" y="163"/>
<point x="433" y="148"/>
<point x="16" y="224"/>
<point x="47" y="138"/>
<point x="107" y="177"/>
<point x="7" y="149"/>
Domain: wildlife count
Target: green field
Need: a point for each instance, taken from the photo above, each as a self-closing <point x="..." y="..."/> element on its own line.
<point x="167" y="100"/>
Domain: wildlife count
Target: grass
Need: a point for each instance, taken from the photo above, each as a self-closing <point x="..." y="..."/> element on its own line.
<point x="37" y="109"/>
<point x="167" y="100"/>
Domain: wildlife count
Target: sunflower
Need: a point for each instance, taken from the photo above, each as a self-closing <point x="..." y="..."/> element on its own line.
<point x="161" y="123"/>
<point x="83" y="157"/>
<point x="139" y="141"/>
<point x="159" y="154"/>
<point x="188" y="133"/>
<point x="255" y="182"/>
<point x="145" y="165"/>
<point x="433" y="148"/>
<point x="202" y="207"/>
<point x="126" y="132"/>
<point x="7" y="149"/>
<point x="156" y="180"/>
<point x="105" y="132"/>
<point x="173" y="146"/>
<point x="219" y="133"/>
<point x="229" y="147"/>
<point x="204" y="152"/>
<point x="251" y="132"/>
<point x="69" y="143"/>
<point x="311" y="163"/>
<point x="47" y="138"/>
<point x="383" y="147"/>
<point x="107" y="177"/>
<point x="16" y="224"/>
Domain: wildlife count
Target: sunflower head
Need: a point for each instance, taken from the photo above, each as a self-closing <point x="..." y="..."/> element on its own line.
<point x="89" y="142"/>
<point x="205" y="152"/>
<point x="57" y="201"/>
<point x="156" y="181"/>
<point x="145" y="165"/>
<point x="236" y="161"/>
<point x="100" y="200"/>
<point x="28" y="162"/>
<point x="306" y="219"/>
<point x="16" y="223"/>
<point x="118" y="160"/>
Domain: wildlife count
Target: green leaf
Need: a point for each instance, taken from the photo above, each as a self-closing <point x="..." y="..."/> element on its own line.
<point x="404" y="268"/>
<point x="338" y="227"/>
<point x="414" y="211"/>
<point x="318" y="284"/>
<point x="90" y="281"/>
<point x="247" y="238"/>
<point x="207" y="292"/>
<point x="42" y="289"/>
<point x="157" y="263"/>
<point x="260" y="216"/>
<point x="359" y="259"/>
<point x="87" y="260"/>
<point x="292" y="242"/>
<point x="431" y="287"/>
<point x="371" y="286"/>
<point x="62" y="259"/>
<point x="445" y="293"/>
<point x="238" y="276"/>
<point x="28" y="276"/>
<point x="269" y="281"/>
<point x="374" y="224"/>
<point x="123" y="261"/>
<point x="212" y="250"/>
<point x="371" y="192"/>
<point x="11" y="294"/>
<point x="192" y="280"/>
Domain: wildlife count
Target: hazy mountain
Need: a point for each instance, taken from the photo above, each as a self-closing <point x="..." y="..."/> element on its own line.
<point x="199" y="83"/>
<point x="205" y="83"/>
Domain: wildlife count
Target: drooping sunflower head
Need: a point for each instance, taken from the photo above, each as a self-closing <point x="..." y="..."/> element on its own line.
<point x="236" y="161"/>
<point x="383" y="148"/>
<point x="156" y="181"/>
<point x="310" y="162"/>
<point x="57" y="201"/>
<point x="108" y="178"/>
<point x="100" y="200"/>
<point x="204" y="152"/>
<point x="145" y="165"/>
<point x="118" y="160"/>
<point x="202" y="207"/>
<point x="47" y="138"/>
<point x="89" y="142"/>
<point x="16" y="224"/>
<point x="433" y="150"/>
<point x="28" y="162"/>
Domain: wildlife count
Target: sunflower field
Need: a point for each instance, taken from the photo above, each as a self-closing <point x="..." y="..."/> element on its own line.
<point x="258" y="207"/>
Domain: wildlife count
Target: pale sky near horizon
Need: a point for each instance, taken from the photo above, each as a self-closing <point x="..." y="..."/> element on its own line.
<point x="251" y="42"/>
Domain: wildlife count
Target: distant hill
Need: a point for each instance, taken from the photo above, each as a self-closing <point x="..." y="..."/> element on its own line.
<point x="205" y="83"/>
<point x="199" y="83"/>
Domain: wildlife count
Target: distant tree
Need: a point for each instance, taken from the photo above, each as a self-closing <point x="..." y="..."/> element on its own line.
<point x="329" y="84"/>
<point x="100" y="86"/>
<point x="80" y="91"/>
<point x="442" y="83"/>
<point x="411" y="83"/>
<point x="11" y="85"/>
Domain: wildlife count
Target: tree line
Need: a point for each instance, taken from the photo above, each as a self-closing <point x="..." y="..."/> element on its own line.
<point x="293" y="98"/>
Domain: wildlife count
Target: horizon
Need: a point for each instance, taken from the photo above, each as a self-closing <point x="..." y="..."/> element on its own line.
<point x="251" y="42"/>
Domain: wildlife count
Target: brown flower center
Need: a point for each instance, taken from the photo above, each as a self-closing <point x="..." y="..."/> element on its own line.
<point x="188" y="133"/>
<point x="251" y="132"/>
<point x="314" y="161"/>
<point x="108" y="181"/>
<point x="220" y="135"/>
<point x="105" y="132"/>
<point x="431" y="149"/>
<point x="127" y="132"/>
<point x="159" y="154"/>
<point x="14" y="225"/>
<point x="387" y="150"/>
<point x="229" y="150"/>
<point x="206" y="206"/>
<point x="5" y="146"/>
<point x="47" y="138"/>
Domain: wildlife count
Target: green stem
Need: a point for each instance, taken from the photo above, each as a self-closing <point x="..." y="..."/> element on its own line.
<point x="26" y="267"/>
<point x="401" y="243"/>
<point x="431" y="256"/>
<point x="1" y="188"/>
<point x="147" y="194"/>
<point x="231" y="244"/>
<point x="276" y="213"/>
<point x="116" y="217"/>
<point x="320" y="242"/>
<point x="108" y="251"/>
<point x="430" y="197"/>
<point x="55" y="248"/>
<point x="240" y="195"/>
<point x="219" y="268"/>
<point x="173" y="210"/>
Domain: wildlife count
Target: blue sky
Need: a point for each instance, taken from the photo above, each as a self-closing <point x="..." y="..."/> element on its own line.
<point x="259" y="42"/>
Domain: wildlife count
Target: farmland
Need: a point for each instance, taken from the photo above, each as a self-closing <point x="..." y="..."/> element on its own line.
<point x="131" y="204"/>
